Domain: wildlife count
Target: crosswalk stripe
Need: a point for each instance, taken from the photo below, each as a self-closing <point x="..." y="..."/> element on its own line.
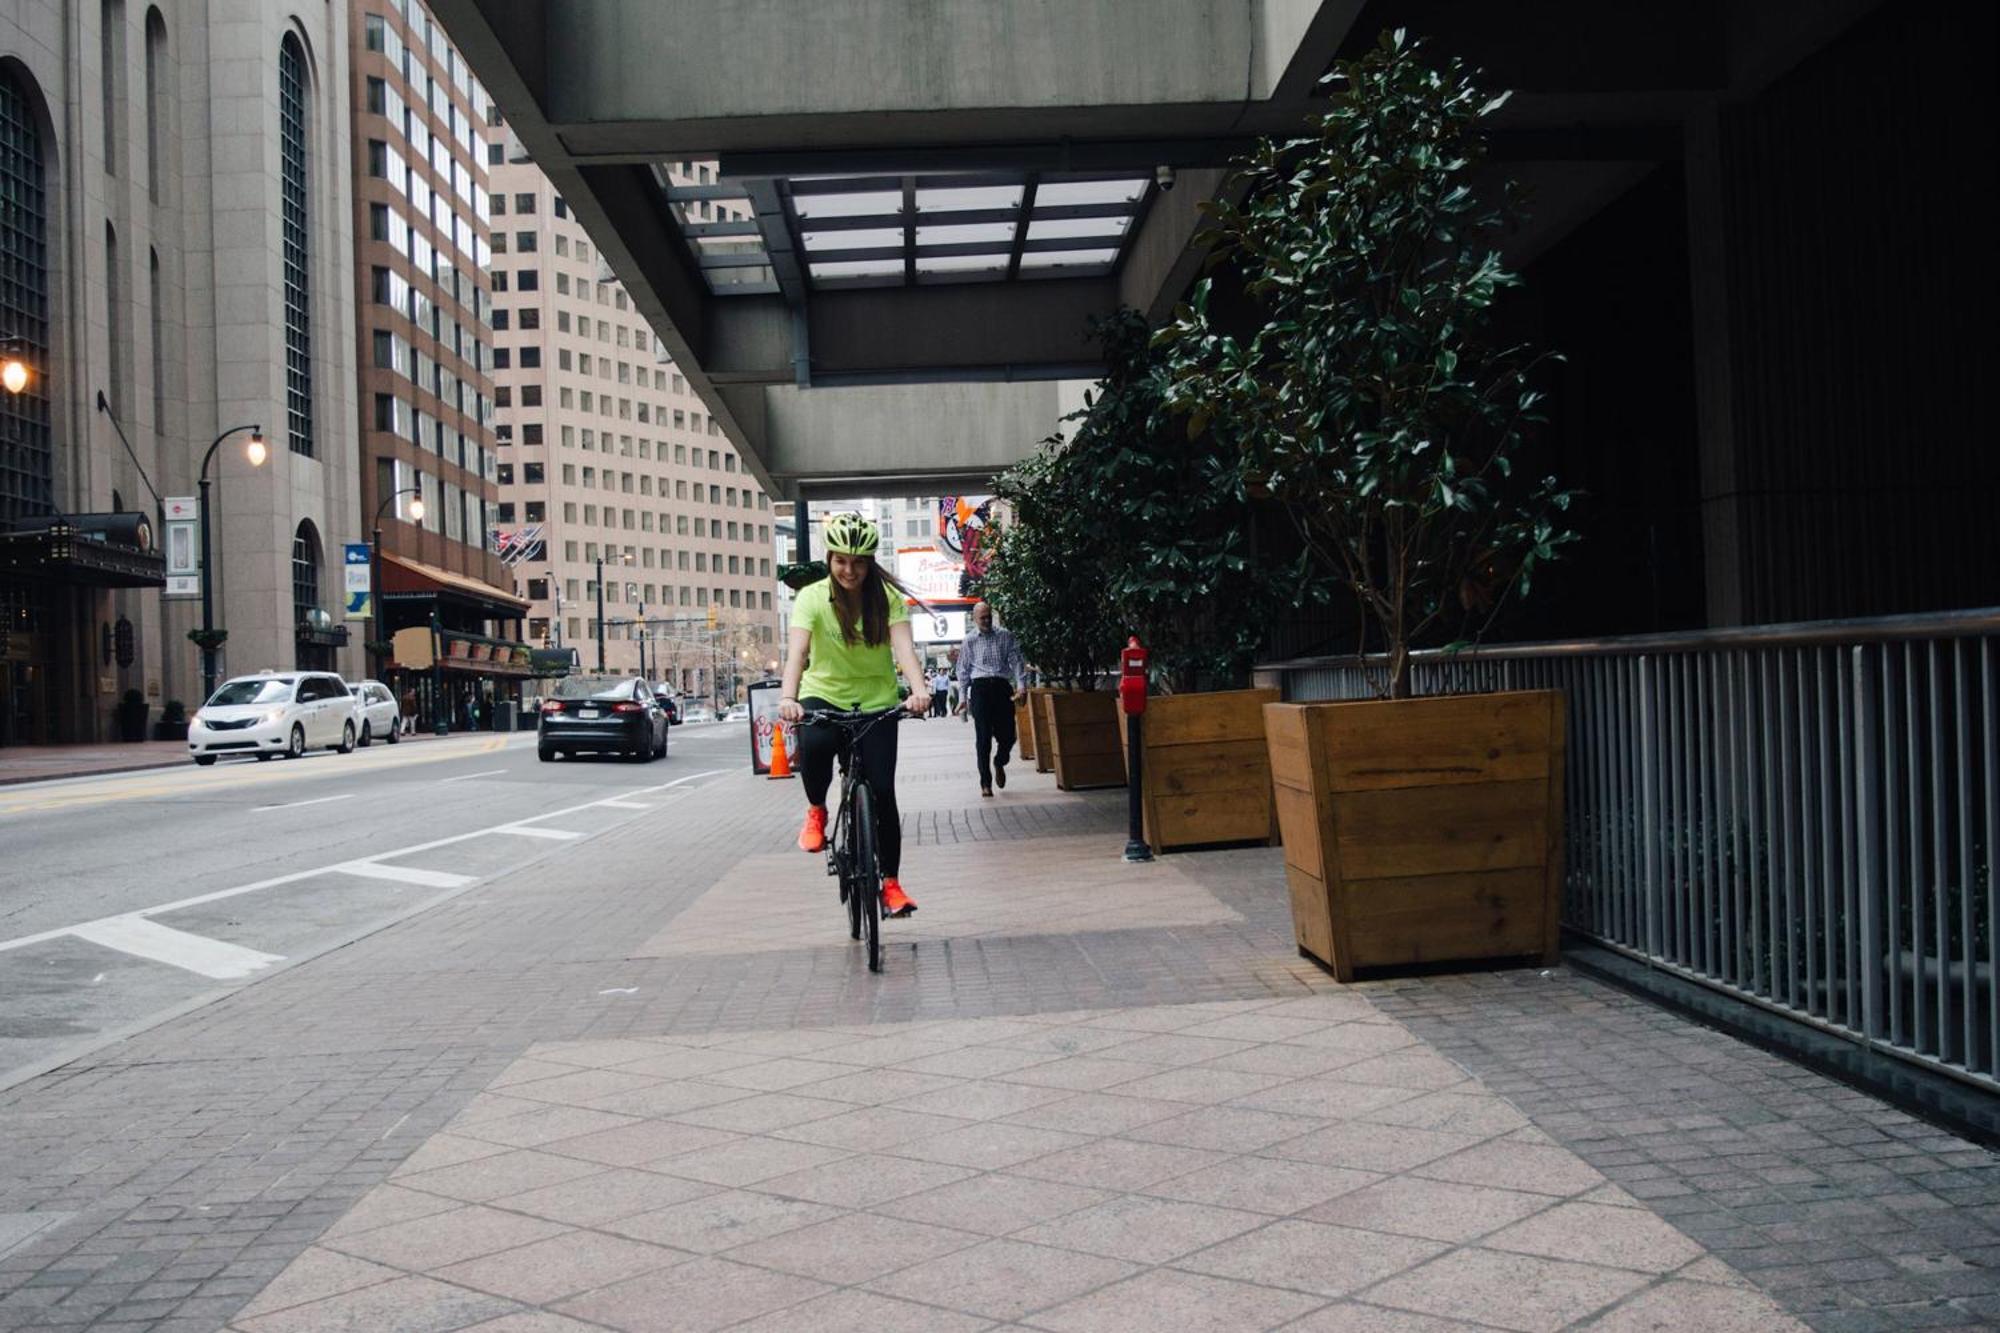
<point x="430" y="879"/>
<point x="145" y="938"/>
<point x="529" y="831"/>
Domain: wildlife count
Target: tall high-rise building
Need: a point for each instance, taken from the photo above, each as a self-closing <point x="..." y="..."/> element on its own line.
<point x="427" y="321"/>
<point x="176" y="266"/>
<point x="607" y="461"/>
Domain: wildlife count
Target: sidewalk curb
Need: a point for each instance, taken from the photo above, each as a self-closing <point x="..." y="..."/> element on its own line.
<point x="179" y="761"/>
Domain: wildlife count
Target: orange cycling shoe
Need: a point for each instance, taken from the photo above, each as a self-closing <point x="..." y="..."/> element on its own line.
<point x="812" y="837"/>
<point x="894" y="901"/>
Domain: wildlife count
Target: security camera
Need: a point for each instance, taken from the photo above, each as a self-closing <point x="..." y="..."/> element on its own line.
<point x="1163" y="176"/>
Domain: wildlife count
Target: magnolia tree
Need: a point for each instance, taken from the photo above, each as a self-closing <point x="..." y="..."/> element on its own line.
<point x="1045" y="580"/>
<point x="1371" y="402"/>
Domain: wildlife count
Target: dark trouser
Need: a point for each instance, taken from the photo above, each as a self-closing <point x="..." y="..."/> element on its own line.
<point x="819" y="746"/>
<point x="992" y="709"/>
<point x="938" y="701"/>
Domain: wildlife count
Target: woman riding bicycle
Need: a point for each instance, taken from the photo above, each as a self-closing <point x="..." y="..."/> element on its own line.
<point x="850" y="635"/>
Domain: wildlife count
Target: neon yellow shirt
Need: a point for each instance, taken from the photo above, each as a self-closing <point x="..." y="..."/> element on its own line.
<point x="847" y="675"/>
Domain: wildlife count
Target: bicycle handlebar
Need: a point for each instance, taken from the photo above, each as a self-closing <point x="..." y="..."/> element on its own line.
<point x="829" y="716"/>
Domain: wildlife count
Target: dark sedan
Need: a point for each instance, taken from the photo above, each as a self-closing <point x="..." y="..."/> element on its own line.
<point x="602" y="715"/>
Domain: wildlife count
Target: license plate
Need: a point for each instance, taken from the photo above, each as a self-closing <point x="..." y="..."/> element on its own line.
<point x="587" y="712"/>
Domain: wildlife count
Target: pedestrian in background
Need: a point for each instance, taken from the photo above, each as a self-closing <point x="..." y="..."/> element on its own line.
<point x="991" y="676"/>
<point x="940" y="687"/>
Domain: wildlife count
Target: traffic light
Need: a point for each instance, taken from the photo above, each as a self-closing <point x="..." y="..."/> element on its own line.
<point x="711" y="615"/>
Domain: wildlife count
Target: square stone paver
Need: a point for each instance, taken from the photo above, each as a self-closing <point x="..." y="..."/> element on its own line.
<point x="1003" y="1279"/>
<point x="1118" y="1164"/>
<point x="1537" y="1168"/>
<point x="980" y="1100"/>
<point x="855" y="1247"/>
<point x="408" y="1305"/>
<point x="855" y="1311"/>
<point x="1311" y="1256"/>
<point x="1594" y="1233"/>
<point x="1677" y="1305"/>
<point x="1430" y="1209"/>
<point x="314" y="1276"/>
<point x="640" y="1144"/>
<point x="988" y="1145"/>
<point x="1515" y="1291"/>
<point x="606" y="1197"/>
<point x="1097" y="1113"/>
<point x="547" y="1271"/>
<point x="859" y="1182"/>
<point x="1226" y="1129"/>
<point x="1263" y="1184"/>
<point x="995" y="1204"/>
<point x="488" y="1178"/>
<point x="1165" y="1301"/>
<point x="1369" y="1147"/>
<point x="693" y="1297"/>
<point x="1141" y="1229"/>
<point x="431" y="1242"/>
<point x="721" y="1221"/>
<point x="747" y="1161"/>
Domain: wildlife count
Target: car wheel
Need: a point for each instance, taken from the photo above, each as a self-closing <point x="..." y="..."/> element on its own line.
<point x="296" y="747"/>
<point x="545" y="754"/>
<point x="204" y="759"/>
<point x="395" y="730"/>
<point x="367" y="734"/>
<point x="347" y="739"/>
<point x="263" y="755"/>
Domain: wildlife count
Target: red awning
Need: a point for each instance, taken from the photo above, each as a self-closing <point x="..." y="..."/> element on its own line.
<point x="402" y="576"/>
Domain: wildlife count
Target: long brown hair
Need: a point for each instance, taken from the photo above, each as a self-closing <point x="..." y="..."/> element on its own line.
<point x="873" y="603"/>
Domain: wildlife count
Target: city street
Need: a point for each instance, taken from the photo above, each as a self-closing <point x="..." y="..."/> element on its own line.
<point x="128" y="898"/>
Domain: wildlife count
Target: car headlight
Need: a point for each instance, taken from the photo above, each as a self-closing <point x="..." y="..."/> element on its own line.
<point x="275" y="715"/>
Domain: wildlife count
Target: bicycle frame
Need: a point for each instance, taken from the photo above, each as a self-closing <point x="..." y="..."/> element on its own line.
<point x="840" y="859"/>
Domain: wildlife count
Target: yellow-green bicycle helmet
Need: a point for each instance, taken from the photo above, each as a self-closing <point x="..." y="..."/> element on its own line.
<point x="851" y="534"/>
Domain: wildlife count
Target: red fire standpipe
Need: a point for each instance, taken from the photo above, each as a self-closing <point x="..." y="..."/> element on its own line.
<point x="1132" y="698"/>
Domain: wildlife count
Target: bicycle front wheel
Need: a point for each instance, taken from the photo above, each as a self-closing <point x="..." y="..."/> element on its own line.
<point x="865" y="890"/>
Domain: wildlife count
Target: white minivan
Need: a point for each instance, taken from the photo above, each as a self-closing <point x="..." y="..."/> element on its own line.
<point x="274" y="713"/>
<point x="381" y="717"/>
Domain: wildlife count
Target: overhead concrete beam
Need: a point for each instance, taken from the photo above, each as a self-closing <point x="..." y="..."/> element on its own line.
<point x="963" y="433"/>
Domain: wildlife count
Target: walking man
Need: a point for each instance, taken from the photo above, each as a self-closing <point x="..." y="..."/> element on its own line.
<point x="991" y="673"/>
<point x="940" y="688"/>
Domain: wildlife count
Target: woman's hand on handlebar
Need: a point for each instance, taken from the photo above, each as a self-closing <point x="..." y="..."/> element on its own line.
<point x="789" y="710"/>
<point x="919" y="703"/>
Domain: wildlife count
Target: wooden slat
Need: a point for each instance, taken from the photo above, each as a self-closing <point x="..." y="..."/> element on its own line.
<point x="1474" y="738"/>
<point x="1024" y="729"/>
<point x="1414" y="831"/>
<point x="1285" y="737"/>
<point x="1038" y="714"/>
<point x="1498" y="914"/>
<point x="1222" y="715"/>
<point x="1207" y="817"/>
<point x="1312" y="922"/>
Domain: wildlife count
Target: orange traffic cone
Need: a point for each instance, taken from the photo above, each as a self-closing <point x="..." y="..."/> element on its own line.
<point x="781" y="763"/>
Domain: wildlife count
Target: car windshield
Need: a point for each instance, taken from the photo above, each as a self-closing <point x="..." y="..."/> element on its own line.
<point x="594" y="687"/>
<point x="274" y="691"/>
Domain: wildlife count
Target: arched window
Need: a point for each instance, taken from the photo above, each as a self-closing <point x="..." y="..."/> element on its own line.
<point x="305" y="573"/>
<point x="27" y="474"/>
<point x="158" y="133"/>
<point x="292" y="168"/>
<point x="158" y="337"/>
<point x="111" y="39"/>
<point x="114" y="319"/>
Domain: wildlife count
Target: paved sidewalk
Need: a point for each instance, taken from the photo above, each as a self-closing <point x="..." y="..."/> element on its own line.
<point x="660" y="1091"/>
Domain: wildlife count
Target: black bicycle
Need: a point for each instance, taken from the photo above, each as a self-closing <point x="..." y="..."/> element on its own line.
<point x="851" y="848"/>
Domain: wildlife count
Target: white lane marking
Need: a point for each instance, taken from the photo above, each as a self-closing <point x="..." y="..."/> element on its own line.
<point x="163" y="944"/>
<point x="529" y="831"/>
<point x="626" y="805"/>
<point x="22" y="941"/>
<point x="293" y="805"/>
<point x="430" y="879"/>
<point x="465" y="776"/>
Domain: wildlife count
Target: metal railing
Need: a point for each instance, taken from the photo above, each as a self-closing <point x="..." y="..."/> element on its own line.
<point x="1805" y="816"/>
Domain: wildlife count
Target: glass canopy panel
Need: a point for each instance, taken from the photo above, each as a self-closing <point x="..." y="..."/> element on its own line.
<point x="1069" y="258"/>
<point x="1107" y="229"/>
<point x="859" y="238"/>
<point x="847" y="205"/>
<point x="757" y="277"/>
<point x="969" y="196"/>
<point x="966" y="264"/>
<point x="964" y="233"/>
<point x="860" y="268"/>
<point x="1090" y="192"/>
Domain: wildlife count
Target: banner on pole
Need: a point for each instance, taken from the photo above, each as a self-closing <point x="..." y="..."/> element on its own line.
<point x="183" y="545"/>
<point x="360" y="593"/>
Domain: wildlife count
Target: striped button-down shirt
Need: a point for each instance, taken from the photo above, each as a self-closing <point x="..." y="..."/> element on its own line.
<point x="991" y="652"/>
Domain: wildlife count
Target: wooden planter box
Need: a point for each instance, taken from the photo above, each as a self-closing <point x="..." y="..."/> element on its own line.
<point x="1024" y="730"/>
<point x="1038" y="729"/>
<point x="1422" y="830"/>
<point x="1207" y="769"/>
<point x="1083" y="739"/>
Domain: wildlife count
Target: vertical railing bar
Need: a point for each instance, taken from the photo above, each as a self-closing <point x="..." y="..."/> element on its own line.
<point x="1790" y="816"/>
<point x="1867" y="842"/>
<point x="1741" y="912"/>
<point x="1682" y="881"/>
<point x="1989" y="703"/>
<point x="1726" y="921"/>
<point x="1962" y="730"/>
<point x="1845" y="723"/>
<point x="1815" y="842"/>
<point x="1627" y="866"/>
<point x="1924" y="1035"/>
<point x="1649" y="796"/>
<point x="1940" y="910"/>
<point x="1700" y="883"/>
<point x="1716" y="870"/>
<point x="1892" y="846"/>
<point x="1758" y="774"/>
<point x="1600" y="851"/>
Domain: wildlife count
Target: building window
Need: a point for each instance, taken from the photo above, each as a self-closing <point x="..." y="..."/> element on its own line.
<point x="27" y="465"/>
<point x="305" y="573"/>
<point x="156" y="102"/>
<point x="298" y="304"/>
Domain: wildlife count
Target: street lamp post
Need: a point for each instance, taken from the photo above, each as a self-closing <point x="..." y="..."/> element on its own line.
<point x="375" y="557"/>
<point x="255" y="452"/>
<point x="626" y="559"/>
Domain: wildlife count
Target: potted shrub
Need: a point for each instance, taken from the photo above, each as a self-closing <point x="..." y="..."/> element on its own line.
<point x="1045" y="582"/>
<point x="1183" y="572"/>
<point x="132" y="711"/>
<point x="173" y="723"/>
<point x="1371" y="404"/>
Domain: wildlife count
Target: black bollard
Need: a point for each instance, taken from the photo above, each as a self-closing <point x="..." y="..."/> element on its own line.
<point x="1135" y="832"/>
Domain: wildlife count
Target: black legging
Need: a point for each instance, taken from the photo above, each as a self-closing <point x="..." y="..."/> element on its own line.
<point x="818" y="747"/>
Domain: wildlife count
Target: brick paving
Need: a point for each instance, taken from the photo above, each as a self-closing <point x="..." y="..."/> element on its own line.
<point x="253" y="1140"/>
